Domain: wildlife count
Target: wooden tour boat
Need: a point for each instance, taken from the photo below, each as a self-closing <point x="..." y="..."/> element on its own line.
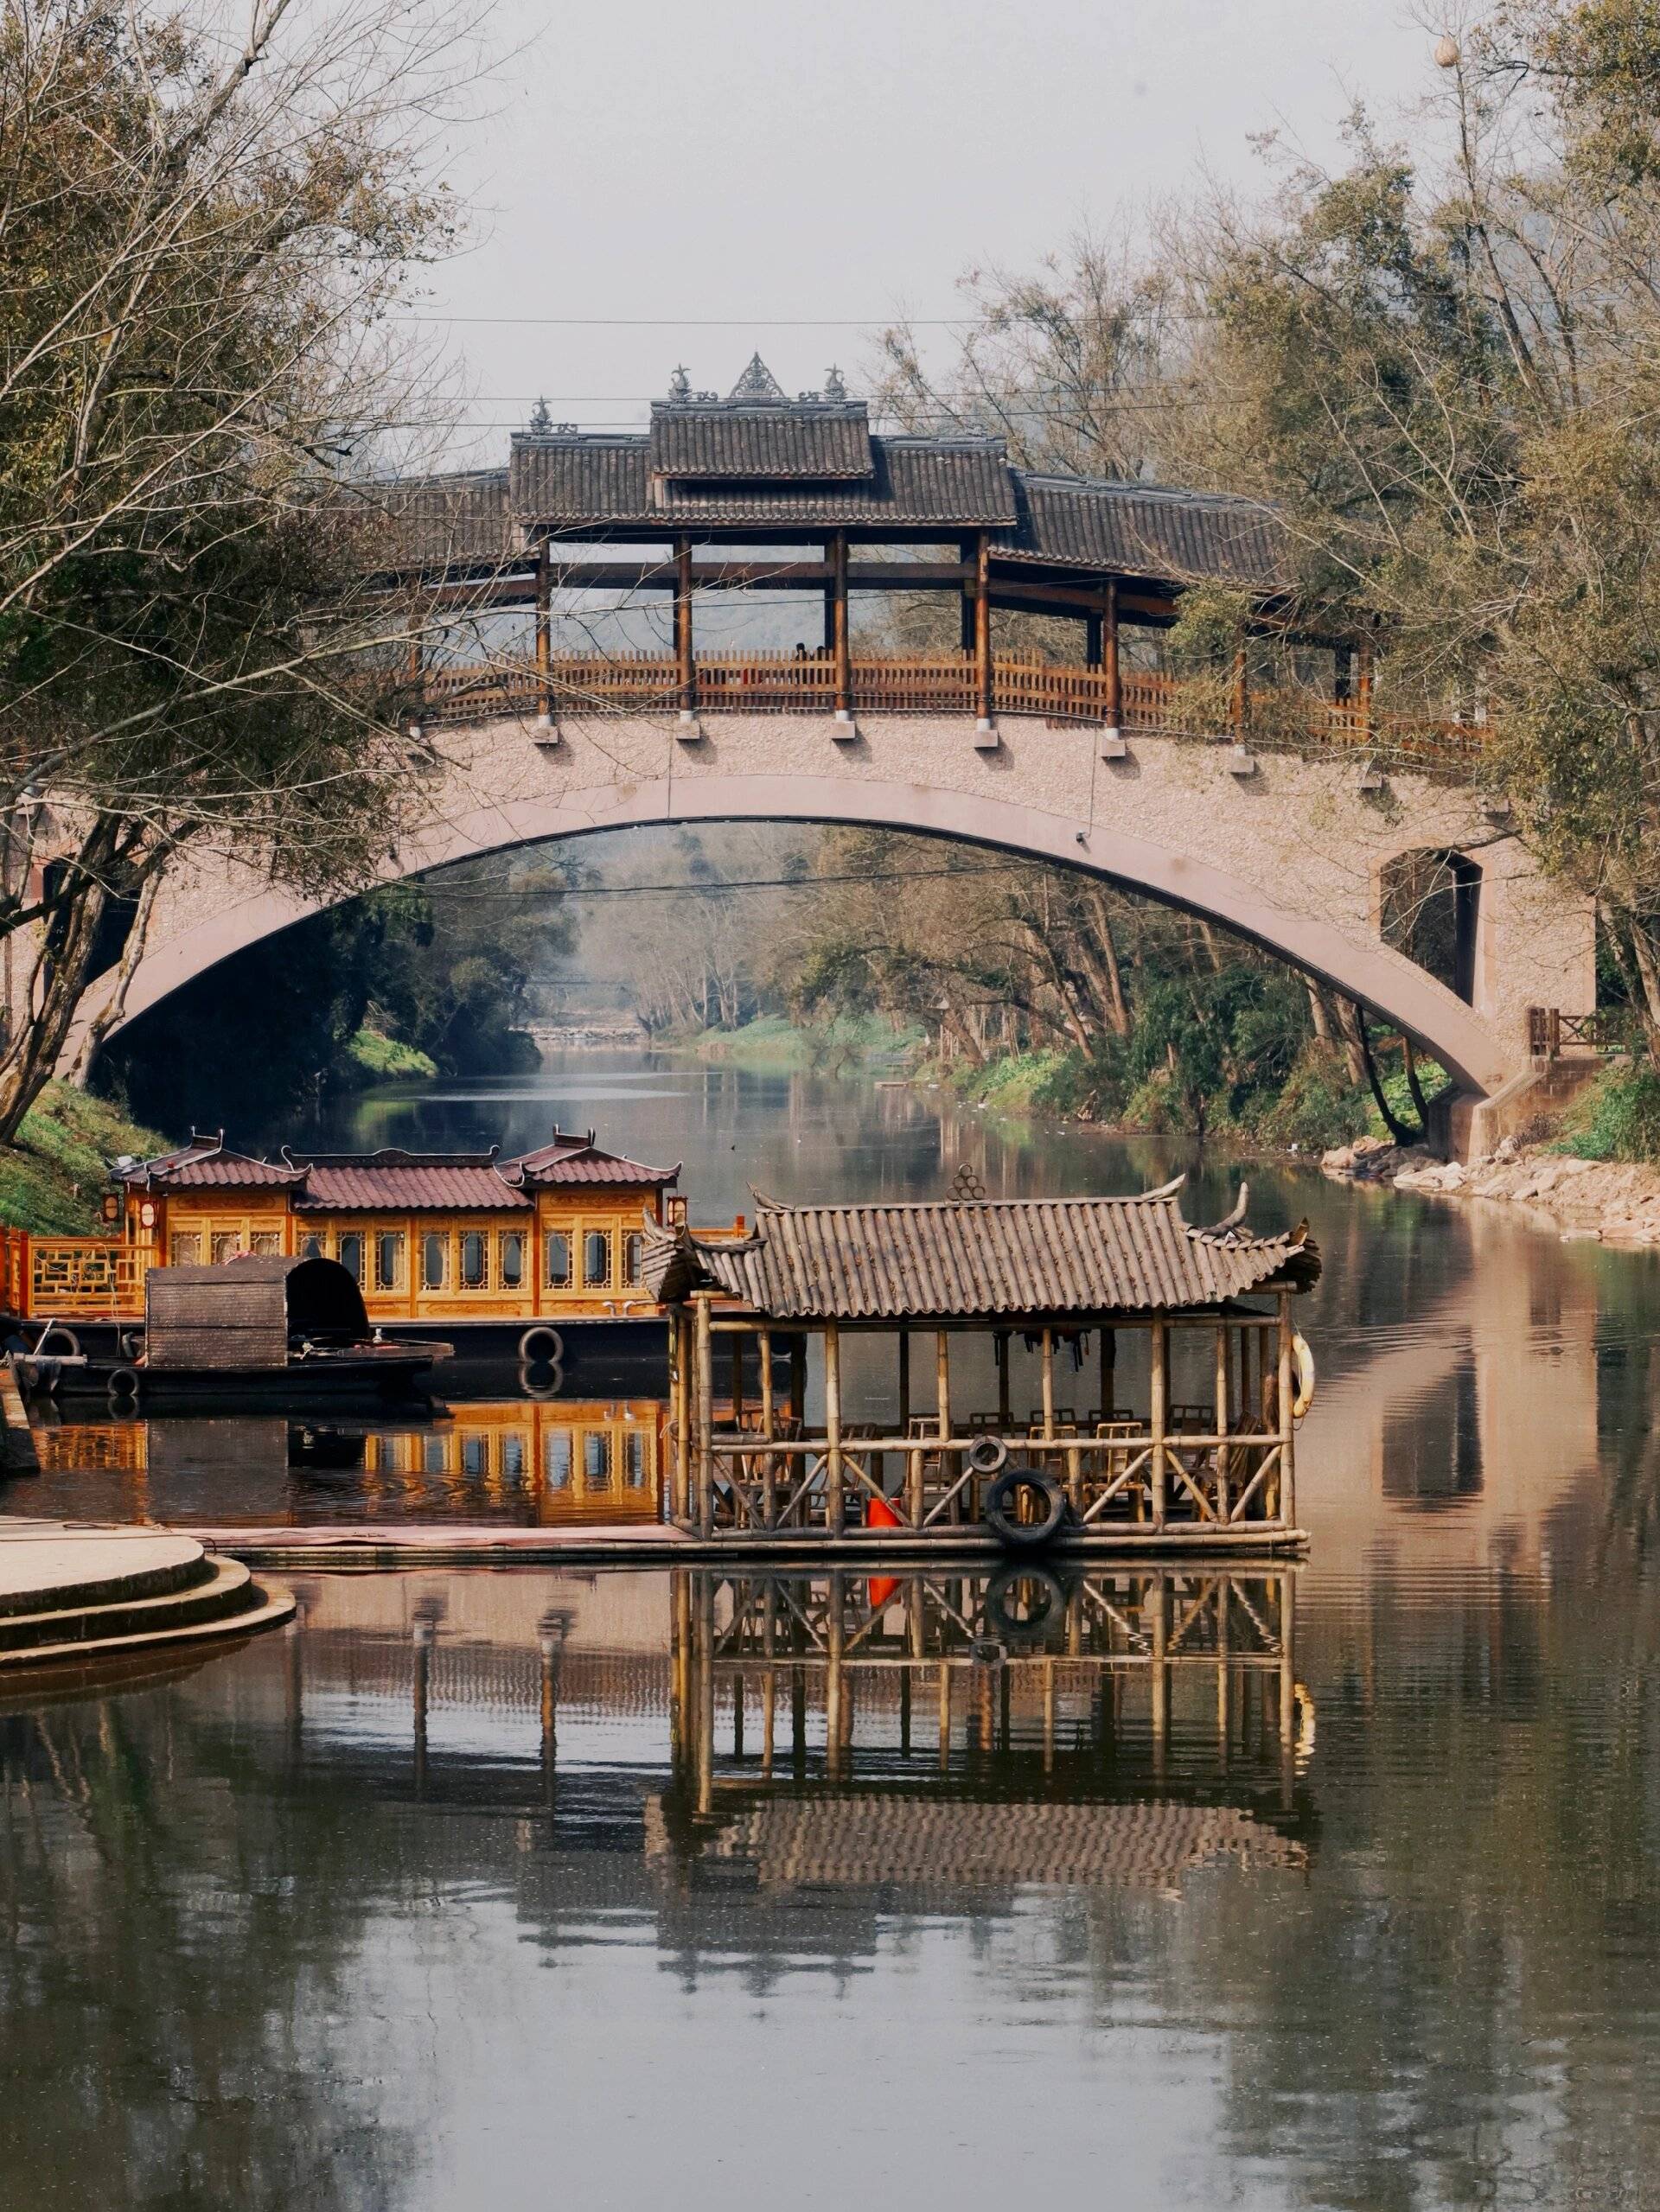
<point x="263" y="1329"/>
<point x="506" y="1255"/>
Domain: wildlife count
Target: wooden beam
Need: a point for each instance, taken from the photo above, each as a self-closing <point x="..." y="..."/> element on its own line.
<point x="705" y="1388"/>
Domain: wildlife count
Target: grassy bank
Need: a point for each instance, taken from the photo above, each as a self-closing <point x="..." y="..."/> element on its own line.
<point x="372" y="1057"/>
<point x="52" y="1179"/>
<point x="1313" y="1105"/>
<point x="1616" y="1118"/>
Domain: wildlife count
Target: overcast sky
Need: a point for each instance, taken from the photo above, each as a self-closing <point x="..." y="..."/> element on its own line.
<point x="747" y="165"/>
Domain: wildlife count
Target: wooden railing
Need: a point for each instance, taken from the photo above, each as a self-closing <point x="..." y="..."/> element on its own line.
<point x="1550" y="1032"/>
<point x="1271" y="718"/>
<point x="96" y="1278"/>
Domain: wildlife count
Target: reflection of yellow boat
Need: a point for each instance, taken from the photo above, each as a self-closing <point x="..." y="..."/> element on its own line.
<point x="576" y="1463"/>
<point x="550" y="1462"/>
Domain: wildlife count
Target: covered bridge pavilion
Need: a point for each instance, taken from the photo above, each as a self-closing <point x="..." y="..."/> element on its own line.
<point x="1206" y="1310"/>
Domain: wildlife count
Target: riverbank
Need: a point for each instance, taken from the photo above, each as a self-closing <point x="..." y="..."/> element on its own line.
<point x="52" y="1180"/>
<point x="1605" y="1202"/>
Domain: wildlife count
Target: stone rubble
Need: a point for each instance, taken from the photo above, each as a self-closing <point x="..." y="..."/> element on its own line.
<point x="1608" y="1201"/>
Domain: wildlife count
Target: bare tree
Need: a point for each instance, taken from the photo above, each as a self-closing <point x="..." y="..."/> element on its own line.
<point x="204" y="222"/>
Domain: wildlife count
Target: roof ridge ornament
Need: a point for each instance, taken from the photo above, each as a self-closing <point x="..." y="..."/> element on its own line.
<point x="758" y="382"/>
<point x="680" y="384"/>
<point x="833" y="386"/>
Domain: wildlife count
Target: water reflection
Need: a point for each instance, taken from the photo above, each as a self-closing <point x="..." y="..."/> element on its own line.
<point x="534" y="1461"/>
<point x="929" y="1730"/>
<point x="1285" y="1889"/>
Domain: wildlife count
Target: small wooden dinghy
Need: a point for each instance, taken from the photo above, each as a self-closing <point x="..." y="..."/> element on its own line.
<point x="264" y="1331"/>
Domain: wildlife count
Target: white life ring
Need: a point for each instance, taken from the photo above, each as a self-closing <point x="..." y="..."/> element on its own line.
<point x="1304" y="1358"/>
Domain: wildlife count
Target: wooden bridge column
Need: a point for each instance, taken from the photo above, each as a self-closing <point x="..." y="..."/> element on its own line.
<point x="1364" y="690"/>
<point x="686" y="670"/>
<point x="839" y="632"/>
<point x="983" y="630"/>
<point x="1109" y="663"/>
<point x="966" y="607"/>
<point x="544" y="640"/>
<point x="704" y="1392"/>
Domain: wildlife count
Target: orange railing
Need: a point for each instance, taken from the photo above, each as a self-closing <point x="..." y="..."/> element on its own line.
<point x="1281" y="717"/>
<point x="94" y="1276"/>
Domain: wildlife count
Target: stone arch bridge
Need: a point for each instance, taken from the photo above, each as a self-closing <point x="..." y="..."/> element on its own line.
<point x="1278" y="808"/>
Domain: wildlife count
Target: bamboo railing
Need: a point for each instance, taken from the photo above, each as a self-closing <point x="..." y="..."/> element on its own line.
<point x="1271" y="717"/>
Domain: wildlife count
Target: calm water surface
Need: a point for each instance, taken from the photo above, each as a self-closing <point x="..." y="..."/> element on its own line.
<point x="485" y="1888"/>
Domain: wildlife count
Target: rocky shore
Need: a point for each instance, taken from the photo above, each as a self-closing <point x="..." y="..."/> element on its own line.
<point x="1606" y="1202"/>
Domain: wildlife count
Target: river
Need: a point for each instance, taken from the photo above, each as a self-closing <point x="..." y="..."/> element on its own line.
<point x="456" y="1893"/>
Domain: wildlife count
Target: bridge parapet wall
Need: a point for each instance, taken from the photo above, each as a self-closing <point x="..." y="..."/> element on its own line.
<point x="1292" y="853"/>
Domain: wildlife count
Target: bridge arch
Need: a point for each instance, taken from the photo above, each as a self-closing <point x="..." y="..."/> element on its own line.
<point x="1221" y="868"/>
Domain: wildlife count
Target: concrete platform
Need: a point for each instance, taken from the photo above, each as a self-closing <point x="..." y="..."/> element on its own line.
<point x="392" y="1545"/>
<point x="79" y="1594"/>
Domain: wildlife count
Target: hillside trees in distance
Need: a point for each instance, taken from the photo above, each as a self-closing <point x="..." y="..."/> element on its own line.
<point x="1120" y="1008"/>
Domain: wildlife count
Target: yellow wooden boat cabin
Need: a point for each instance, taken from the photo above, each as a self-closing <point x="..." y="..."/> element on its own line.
<point x="453" y="1242"/>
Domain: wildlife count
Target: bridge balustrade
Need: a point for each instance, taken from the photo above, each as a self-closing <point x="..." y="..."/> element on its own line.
<point x="1287" y="718"/>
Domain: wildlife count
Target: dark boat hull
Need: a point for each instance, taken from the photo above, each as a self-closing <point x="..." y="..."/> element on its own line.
<point x="306" y="1385"/>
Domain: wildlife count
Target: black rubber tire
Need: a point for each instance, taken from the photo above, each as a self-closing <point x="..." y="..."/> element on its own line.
<point x="129" y="1344"/>
<point x="541" y="1379"/>
<point x="541" y="1344"/>
<point x="70" y="1349"/>
<point x="1020" y="1535"/>
<point x="1023" y="1605"/>
<point x="987" y="1454"/>
<point x="123" y="1385"/>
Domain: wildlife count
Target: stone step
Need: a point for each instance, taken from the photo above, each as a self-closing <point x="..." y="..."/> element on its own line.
<point x="47" y="1567"/>
<point x="221" y="1588"/>
<point x="271" y="1605"/>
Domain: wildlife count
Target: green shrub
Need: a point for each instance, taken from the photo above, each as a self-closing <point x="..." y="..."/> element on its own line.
<point x="1617" y="1118"/>
<point x="385" y="1059"/>
<point x="1320" y="1105"/>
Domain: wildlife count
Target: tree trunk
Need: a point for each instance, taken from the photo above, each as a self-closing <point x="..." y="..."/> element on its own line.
<point x="108" y="1014"/>
<point x="1118" y="1011"/>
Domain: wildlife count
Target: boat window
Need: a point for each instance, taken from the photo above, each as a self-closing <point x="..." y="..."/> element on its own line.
<point x="474" y="1266"/>
<point x="513" y="1456"/>
<point x="597" y="1259"/>
<point x="556" y="1459"/>
<point x="389" y="1259"/>
<point x="433" y="1459"/>
<point x="311" y="1247"/>
<point x="349" y="1251"/>
<point x="227" y="1243"/>
<point x="266" y="1240"/>
<point x="597" y="1458"/>
<point x="634" y="1251"/>
<point x="435" y="1260"/>
<point x="634" y="1449"/>
<point x="556" y="1245"/>
<point x="184" y="1248"/>
<point x="474" y="1455"/>
<point x="513" y="1260"/>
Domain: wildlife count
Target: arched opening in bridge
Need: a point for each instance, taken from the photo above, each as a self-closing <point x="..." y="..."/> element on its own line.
<point x="1430" y="909"/>
<point x="1042" y="962"/>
